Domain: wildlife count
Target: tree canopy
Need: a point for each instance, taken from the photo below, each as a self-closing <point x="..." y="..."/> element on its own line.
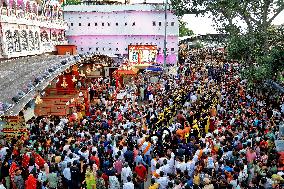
<point x="184" y="30"/>
<point x="259" y="46"/>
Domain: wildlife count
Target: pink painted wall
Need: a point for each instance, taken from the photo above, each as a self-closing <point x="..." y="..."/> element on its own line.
<point x="117" y="44"/>
<point x="90" y="23"/>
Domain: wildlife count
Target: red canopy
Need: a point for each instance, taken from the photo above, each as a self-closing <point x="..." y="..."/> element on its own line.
<point x="126" y="72"/>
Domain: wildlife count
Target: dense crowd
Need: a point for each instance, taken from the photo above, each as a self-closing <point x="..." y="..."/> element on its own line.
<point x="201" y="129"/>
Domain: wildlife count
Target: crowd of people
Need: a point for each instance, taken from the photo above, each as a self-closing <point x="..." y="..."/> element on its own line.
<point x="200" y="129"/>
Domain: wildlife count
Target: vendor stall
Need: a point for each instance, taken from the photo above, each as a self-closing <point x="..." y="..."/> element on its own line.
<point x="124" y="74"/>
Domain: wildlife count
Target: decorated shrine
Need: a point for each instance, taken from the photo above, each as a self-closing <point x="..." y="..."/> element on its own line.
<point x="124" y="73"/>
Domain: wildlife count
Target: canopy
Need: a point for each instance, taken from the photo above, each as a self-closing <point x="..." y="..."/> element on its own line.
<point x="141" y="66"/>
<point x="127" y="72"/>
<point x="154" y="69"/>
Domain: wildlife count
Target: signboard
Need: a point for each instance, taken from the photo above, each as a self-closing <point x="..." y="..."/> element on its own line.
<point x="140" y="54"/>
<point x="13" y="126"/>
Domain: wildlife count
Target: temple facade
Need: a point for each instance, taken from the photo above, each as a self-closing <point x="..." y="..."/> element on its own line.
<point x="29" y="28"/>
<point x="110" y="29"/>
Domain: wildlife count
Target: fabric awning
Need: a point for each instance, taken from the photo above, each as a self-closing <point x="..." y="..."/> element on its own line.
<point x="141" y="66"/>
<point x="155" y="69"/>
<point x="126" y="72"/>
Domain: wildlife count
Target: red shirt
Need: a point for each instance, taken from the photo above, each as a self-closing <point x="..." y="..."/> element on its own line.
<point x="141" y="172"/>
<point x="96" y="160"/>
<point x="105" y="177"/>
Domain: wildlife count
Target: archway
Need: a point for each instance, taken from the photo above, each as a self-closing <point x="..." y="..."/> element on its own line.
<point x="17" y="44"/>
<point x="36" y="41"/>
<point x="31" y="41"/>
<point x="9" y="39"/>
<point x="44" y="36"/>
<point x="24" y="40"/>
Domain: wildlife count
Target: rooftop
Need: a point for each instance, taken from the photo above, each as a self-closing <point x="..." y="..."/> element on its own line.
<point x="22" y="78"/>
<point x="113" y="8"/>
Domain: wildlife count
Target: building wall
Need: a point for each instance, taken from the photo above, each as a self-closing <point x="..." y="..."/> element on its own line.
<point x="25" y="31"/>
<point x="120" y="23"/>
<point x="117" y="44"/>
<point x="112" y="29"/>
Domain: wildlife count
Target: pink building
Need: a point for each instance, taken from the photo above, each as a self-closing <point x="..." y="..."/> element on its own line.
<point x="30" y="29"/>
<point x="109" y="29"/>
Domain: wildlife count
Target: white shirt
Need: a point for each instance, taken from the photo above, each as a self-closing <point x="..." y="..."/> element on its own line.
<point x="163" y="182"/>
<point x="85" y="154"/>
<point x="2" y="186"/>
<point x="151" y="97"/>
<point x="67" y="173"/>
<point x="153" y="165"/>
<point x="125" y="172"/>
<point x="128" y="185"/>
<point x="181" y="166"/>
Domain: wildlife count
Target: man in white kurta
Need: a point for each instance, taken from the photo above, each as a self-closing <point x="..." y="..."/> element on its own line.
<point x="126" y="172"/>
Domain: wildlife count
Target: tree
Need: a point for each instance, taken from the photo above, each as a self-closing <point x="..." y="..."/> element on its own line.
<point x="257" y="44"/>
<point x="72" y="2"/>
<point x="184" y="30"/>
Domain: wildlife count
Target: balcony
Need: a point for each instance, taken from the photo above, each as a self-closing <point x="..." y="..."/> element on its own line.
<point x="32" y="19"/>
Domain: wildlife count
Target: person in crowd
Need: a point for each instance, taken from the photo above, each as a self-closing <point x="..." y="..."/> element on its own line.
<point x="204" y="128"/>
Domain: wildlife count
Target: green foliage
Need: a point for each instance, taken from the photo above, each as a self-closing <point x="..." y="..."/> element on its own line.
<point x="184" y="30"/>
<point x="198" y="45"/>
<point x="259" y="46"/>
<point x="72" y="2"/>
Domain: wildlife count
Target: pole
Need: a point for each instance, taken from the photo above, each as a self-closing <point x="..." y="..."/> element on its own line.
<point x="165" y="38"/>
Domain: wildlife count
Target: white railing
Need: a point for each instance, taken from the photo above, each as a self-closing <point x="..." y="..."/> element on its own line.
<point x="20" y="17"/>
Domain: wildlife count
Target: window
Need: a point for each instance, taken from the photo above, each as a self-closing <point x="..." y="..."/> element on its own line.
<point x="96" y="24"/>
<point x="116" y="24"/>
<point x="103" y="24"/>
<point x="82" y="49"/>
<point x="154" y="23"/>
<point x="79" y="24"/>
<point x="172" y="23"/>
<point x="103" y="49"/>
<point x="97" y="48"/>
<point x="109" y="49"/>
<point x="89" y="24"/>
<point x="160" y="23"/>
<point x="172" y="49"/>
<point x="90" y="49"/>
<point x="108" y="24"/>
<point x="126" y="49"/>
<point x="71" y="24"/>
<point x="133" y="24"/>
<point x="125" y="24"/>
<point x="116" y="49"/>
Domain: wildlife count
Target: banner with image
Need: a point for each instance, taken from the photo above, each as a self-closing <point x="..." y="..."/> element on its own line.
<point x="140" y="54"/>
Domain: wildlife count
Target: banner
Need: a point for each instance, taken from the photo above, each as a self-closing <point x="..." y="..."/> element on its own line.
<point x="141" y="54"/>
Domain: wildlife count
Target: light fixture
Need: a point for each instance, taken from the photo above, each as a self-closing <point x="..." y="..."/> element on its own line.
<point x="82" y="74"/>
<point x="74" y="79"/>
<point x="75" y="68"/>
<point x="67" y="103"/>
<point x="94" y="68"/>
<point x="72" y="100"/>
<point x="64" y="83"/>
<point x="38" y="100"/>
<point x="88" y="70"/>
